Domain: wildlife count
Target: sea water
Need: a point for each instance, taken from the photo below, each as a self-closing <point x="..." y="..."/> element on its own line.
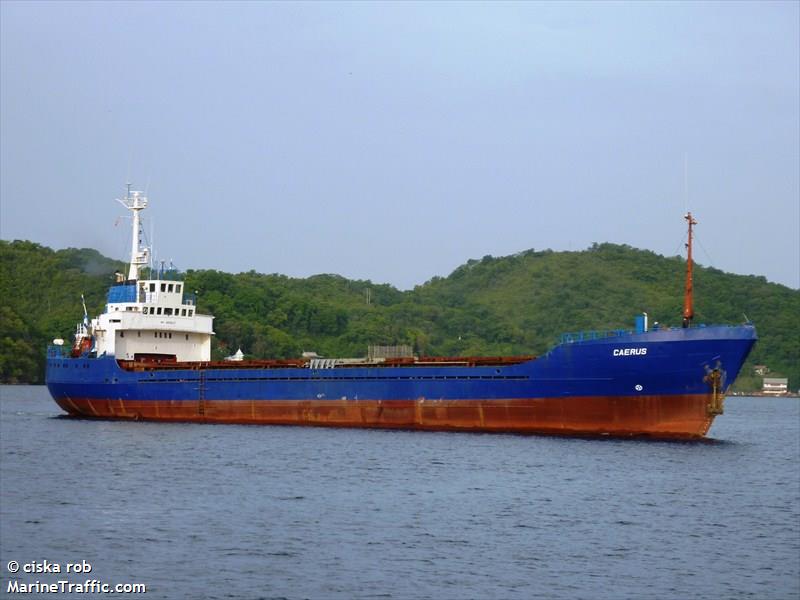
<point x="229" y="511"/>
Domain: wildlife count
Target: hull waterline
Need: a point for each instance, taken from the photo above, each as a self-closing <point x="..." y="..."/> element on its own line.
<point x="673" y="417"/>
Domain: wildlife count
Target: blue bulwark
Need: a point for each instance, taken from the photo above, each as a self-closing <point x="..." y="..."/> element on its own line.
<point x="122" y="293"/>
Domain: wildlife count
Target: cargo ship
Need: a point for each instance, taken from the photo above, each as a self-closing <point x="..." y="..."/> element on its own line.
<point x="148" y="357"/>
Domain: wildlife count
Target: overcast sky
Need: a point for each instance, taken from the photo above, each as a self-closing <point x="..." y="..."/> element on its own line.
<point x="394" y="141"/>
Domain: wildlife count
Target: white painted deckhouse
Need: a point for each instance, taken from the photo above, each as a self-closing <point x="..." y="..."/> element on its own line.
<point x="147" y="319"/>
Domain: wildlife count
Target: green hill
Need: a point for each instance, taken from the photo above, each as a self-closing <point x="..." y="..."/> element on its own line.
<point x="40" y="298"/>
<point x="516" y="304"/>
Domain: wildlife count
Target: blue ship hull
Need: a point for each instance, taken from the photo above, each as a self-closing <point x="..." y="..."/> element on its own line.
<point x="667" y="383"/>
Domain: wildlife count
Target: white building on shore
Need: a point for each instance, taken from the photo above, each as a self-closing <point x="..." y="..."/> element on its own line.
<point x="775" y="386"/>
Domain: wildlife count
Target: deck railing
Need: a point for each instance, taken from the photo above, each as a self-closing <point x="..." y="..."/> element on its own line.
<point x="582" y="336"/>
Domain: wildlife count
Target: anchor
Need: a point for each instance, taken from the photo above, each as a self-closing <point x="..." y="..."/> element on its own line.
<point x="715" y="378"/>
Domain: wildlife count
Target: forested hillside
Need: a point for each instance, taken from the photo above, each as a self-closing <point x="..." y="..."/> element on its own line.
<point x="40" y="299"/>
<point x="516" y="304"/>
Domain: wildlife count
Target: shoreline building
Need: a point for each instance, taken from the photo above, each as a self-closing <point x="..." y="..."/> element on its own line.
<point x="775" y="386"/>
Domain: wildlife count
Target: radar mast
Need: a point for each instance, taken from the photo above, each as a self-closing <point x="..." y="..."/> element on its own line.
<point x="136" y="202"/>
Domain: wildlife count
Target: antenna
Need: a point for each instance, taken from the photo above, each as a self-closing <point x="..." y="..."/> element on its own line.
<point x="152" y="246"/>
<point x="686" y="180"/>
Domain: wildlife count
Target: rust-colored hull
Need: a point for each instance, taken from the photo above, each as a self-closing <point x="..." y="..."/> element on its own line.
<point x="668" y="417"/>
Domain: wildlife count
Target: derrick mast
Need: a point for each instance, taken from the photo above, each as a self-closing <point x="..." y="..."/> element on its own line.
<point x="688" y="297"/>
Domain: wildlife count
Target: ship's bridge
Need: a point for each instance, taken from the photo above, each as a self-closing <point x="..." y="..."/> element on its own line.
<point x="152" y="317"/>
<point x="151" y="297"/>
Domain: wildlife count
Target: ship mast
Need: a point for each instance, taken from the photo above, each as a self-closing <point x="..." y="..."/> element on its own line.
<point x="688" y="297"/>
<point x="136" y="202"/>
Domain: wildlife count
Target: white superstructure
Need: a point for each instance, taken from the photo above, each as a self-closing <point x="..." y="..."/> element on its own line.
<point x="149" y="319"/>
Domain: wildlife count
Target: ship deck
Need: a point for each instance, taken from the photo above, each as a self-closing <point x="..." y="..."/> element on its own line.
<point x="427" y="361"/>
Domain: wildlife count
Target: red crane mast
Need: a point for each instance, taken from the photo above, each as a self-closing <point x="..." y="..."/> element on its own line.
<point x="688" y="297"/>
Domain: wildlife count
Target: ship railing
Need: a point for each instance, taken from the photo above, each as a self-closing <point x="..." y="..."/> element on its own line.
<point x="190" y="298"/>
<point x="170" y="274"/>
<point x="582" y="336"/>
<point x="162" y="274"/>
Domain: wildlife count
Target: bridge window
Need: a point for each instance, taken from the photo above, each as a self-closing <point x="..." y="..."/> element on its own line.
<point x="163" y="287"/>
<point x="152" y="287"/>
<point x="144" y="310"/>
<point x="178" y="287"/>
<point x="190" y="312"/>
<point x="168" y="311"/>
<point x="169" y="287"/>
<point x="158" y="310"/>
